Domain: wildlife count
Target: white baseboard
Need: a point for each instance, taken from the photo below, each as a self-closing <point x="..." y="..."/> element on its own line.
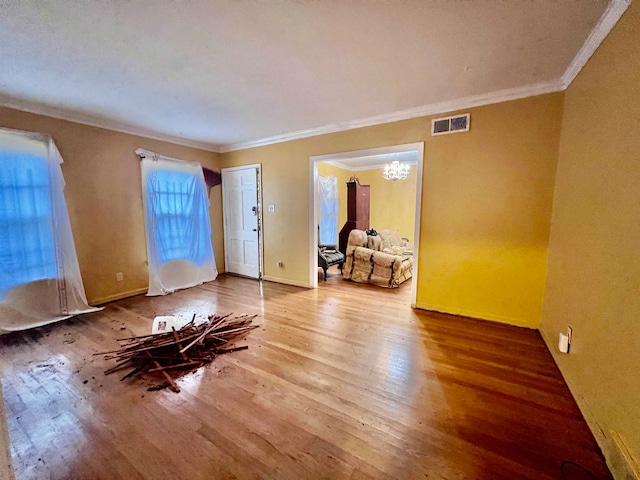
<point x="286" y="281"/>
<point x="117" y="296"/>
<point x="518" y="322"/>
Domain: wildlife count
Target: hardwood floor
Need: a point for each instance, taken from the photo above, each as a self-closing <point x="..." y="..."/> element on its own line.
<point x="345" y="381"/>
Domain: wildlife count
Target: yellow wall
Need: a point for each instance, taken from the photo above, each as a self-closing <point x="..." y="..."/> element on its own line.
<point x="104" y="198"/>
<point x="593" y="280"/>
<point x="486" y="204"/>
<point x="486" y="209"/>
<point x="393" y="204"/>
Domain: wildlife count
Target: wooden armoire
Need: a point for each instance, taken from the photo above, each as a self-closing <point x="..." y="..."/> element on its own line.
<point x="357" y="211"/>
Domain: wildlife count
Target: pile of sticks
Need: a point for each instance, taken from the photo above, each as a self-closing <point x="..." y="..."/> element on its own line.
<point x="181" y="351"/>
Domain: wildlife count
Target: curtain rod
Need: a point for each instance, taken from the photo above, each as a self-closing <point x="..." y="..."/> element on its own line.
<point x="142" y="153"/>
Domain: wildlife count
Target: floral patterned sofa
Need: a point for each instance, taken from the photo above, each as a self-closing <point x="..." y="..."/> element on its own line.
<point x="380" y="260"/>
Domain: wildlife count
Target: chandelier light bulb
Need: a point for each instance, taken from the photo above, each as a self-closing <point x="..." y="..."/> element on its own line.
<point x="396" y="171"/>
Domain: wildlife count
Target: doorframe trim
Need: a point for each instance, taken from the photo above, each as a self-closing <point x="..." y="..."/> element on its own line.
<point x="313" y="210"/>
<point x="257" y="166"/>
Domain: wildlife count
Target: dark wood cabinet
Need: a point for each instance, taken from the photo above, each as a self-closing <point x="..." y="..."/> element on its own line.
<point x="358" y="204"/>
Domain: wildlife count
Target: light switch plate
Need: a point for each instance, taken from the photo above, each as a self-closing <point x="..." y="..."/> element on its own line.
<point x="272" y="208"/>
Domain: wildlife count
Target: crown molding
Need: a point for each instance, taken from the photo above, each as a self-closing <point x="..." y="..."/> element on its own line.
<point x="432" y="109"/>
<point x="344" y="166"/>
<point x="607" y="21"/>
<point x="63" y="114"/>
<point x="339" y="164"/>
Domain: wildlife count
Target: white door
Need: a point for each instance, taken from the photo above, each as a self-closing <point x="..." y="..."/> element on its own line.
<point x="241" y="212"/>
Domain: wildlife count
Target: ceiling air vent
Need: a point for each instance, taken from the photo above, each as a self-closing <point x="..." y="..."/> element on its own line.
<point x="459" y="123"/>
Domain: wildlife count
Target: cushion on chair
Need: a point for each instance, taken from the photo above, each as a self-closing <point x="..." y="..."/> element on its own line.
<point x="390" y="238"/>
<point x="374" y="243"/>
<point x="333" y="257"/>
<point x="357" y="238"/>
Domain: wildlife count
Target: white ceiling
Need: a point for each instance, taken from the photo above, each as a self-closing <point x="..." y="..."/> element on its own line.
<point x="221" y="73"/>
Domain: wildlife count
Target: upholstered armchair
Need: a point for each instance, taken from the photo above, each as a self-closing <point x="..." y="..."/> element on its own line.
<point x="379" y="260"/>
<point x="329" y="255"/>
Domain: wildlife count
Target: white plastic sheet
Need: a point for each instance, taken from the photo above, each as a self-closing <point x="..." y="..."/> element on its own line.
<point x="40" y="278"/>
<point x="177" y="224"/>
<point x="328" y="200"/>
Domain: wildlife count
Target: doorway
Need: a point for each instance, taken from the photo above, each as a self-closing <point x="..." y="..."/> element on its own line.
<point x="352" y="158"/>
<point x="242" y="216"/>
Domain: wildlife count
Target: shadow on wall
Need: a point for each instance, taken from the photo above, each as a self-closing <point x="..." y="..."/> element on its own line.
<point x="211" y="178"/>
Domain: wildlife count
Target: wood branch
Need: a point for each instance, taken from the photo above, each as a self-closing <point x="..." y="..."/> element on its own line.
<point x="136" y="338"/>
<point x="174" y="387"/>
<point x="118" y="366"/>
<point x="240" y="330"/>
<point x="157" y="353"/>
<point x="179" y="365"/>
<point x="204" y="334"/>
<point x="179" y="343"/>
<point x="229" y="350"/>
<point x="133" y="372"/>
<point x="191" y="323"/>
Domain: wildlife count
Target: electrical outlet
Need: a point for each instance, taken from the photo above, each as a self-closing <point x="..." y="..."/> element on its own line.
<point x="272" y="208"/>
<point x="119" y="276"/>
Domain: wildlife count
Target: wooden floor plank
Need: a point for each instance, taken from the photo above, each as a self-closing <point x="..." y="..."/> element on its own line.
<point x="345" y="381"/>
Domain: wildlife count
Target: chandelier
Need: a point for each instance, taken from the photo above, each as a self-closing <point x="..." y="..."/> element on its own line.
<point x="395" y="171"/>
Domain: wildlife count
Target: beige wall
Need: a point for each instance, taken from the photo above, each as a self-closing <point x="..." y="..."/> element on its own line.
<point x="104" y="198"/>
<point x="486" y="204"/>
<point x="593" y="280"/>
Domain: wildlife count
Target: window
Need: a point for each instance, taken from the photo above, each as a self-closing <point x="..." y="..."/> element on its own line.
<point x="176" y="217"/>
<point x="26" y="219"/>
<point x="173" y="198"/>
<point x="328" y="200"/>
<point x="40" y="279"/>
